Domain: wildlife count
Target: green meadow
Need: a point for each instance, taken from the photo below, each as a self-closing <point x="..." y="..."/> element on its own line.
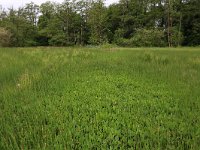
<point x="99" y="98"/>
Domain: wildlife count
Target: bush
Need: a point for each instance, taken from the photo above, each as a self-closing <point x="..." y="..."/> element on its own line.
<point x="5" y="37"/>
<point x="145" y="38"/>
<point x="96" y="39"/>
<point x="177" y="37"/>
<point x="149" y="38"/>
<point x="123" y="42"/>
<point x="59" y="40"/>
<point x="30" y="43"/>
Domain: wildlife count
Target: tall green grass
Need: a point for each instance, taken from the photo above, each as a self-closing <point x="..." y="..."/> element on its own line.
<point x="99" y="98"/>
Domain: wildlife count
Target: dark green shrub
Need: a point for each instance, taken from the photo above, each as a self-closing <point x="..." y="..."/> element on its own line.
<point x="177" y="37"/>
<point x="148" y="38"/>
<point x="59" y="40"/>
<point x="123" y="42"/>
<point x="145" y="38"/>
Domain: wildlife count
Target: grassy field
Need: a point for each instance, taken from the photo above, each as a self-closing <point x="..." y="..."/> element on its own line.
<point x="99" y="98"/>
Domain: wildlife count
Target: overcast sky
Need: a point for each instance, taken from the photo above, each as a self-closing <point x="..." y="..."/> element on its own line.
<point x="18" y="3"/>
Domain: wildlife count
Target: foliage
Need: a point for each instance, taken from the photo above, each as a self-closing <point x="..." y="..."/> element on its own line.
<point x="123" y="42"/>
<point x="144" y="38"/>
<point x="149" y="38"/>
<point x="92" y="22"/>
<point x="190" y="23"/>
<point x="97" y="20"/>
<point x="177" y="37"/>
<point x="22" y="30"/>
<point x="59" y="40"/>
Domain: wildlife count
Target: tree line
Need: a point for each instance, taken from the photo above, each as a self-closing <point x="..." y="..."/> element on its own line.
<point x="131" y="23"/>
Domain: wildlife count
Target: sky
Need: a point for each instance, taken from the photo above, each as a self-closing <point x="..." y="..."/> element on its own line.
<point x="18" y="3"/>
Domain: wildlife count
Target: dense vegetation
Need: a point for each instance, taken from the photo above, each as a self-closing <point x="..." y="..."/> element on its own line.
<point x="103" y="98"/>
<point x="130" y="23"/>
